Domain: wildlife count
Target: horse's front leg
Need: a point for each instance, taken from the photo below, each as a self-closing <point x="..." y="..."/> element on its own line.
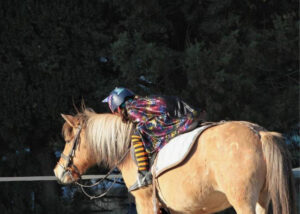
<point x="143" y="196"/>
<point x="144" y="201"/>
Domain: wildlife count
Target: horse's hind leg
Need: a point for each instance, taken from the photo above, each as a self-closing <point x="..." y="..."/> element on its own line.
<point x="261" y="209"/>
<point x="244" y="208"/>
<point x="243" y="199"/>
<point x="250" y="202"/>
<point x="263" y="203"/>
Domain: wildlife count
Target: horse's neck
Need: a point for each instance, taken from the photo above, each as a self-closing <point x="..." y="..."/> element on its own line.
<point x="129" y="170"/>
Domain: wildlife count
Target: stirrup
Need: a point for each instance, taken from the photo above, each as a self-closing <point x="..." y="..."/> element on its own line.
<point x="143" y="180"/>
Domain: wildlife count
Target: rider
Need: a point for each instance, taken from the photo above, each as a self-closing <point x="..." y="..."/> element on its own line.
<point x="157" y="119"/>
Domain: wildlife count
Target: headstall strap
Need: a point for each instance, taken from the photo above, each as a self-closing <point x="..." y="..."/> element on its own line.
<point x="68" y="158"/>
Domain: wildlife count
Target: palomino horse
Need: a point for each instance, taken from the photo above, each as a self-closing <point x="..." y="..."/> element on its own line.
<point x="236" y="164"/>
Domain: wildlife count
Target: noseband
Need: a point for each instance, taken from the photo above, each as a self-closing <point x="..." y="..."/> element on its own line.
<point x="69" y="158"/>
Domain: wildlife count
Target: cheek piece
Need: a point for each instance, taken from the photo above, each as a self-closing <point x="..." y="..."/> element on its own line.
<point x="69" y="158"/>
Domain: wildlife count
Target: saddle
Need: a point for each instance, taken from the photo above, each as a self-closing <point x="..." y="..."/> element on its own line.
<point x="175" y="151"/>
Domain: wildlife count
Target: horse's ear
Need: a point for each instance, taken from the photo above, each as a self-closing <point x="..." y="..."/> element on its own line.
<point x="69" y="119"/>
<point x="83" y="107"/>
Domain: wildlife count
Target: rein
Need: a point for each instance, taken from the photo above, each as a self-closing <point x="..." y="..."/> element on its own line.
<point x="82" y="186"/>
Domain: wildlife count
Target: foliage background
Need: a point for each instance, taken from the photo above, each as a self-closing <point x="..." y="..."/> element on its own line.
<point x="238" y="60"/>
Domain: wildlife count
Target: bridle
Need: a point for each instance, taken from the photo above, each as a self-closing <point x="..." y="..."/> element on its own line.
<point x="69" y="163"/>
<point x="69" y="158"/>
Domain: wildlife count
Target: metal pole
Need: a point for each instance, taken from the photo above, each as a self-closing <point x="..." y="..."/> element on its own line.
<point x="52" y="178"/>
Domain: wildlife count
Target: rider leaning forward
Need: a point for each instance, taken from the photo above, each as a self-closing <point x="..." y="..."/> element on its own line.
<point x="157" y="119"/>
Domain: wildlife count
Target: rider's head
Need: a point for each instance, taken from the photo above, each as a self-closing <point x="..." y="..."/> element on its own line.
<point x="117" y="97"/>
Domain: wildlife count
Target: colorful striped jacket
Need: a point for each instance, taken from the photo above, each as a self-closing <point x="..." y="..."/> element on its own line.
<point x="160" y="118"/>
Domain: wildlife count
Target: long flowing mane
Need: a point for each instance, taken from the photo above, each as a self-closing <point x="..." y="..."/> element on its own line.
<point x="107" y="136"/>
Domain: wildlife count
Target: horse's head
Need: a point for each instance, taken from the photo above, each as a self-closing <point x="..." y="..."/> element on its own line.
<point x="91" y="139"/>
<point x="75" y="158"/>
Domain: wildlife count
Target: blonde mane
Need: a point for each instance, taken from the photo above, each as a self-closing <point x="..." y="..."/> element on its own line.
<point x="107" y="136"/>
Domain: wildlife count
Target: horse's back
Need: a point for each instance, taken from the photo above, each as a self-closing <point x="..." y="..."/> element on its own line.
<point x="218" y="168"/>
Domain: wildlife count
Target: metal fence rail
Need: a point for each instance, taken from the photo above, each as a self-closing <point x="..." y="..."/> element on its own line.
<point x="52" y="178"/>
<point x="296" y="173"/>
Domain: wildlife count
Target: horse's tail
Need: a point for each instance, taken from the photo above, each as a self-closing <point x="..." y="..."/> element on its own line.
<point x="279" y="179"/>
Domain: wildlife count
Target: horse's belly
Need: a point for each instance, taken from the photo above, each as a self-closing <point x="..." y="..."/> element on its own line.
<point x="191" y="197"/>
<point x="190" y="188"/>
